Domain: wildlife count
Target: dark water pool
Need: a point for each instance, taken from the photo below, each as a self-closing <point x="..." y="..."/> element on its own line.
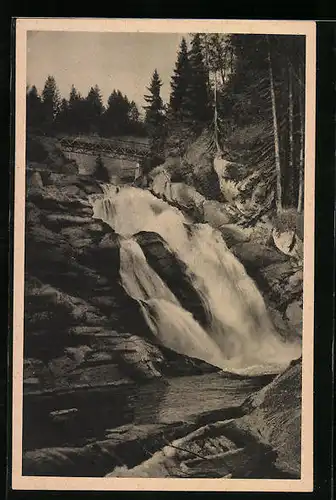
<point x="96" y="409"/>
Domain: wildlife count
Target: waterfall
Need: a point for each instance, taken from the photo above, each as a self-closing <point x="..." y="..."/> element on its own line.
<point x="169" y="322"/>
<point x="240" y="335"/>
<point x="138" y="278"/>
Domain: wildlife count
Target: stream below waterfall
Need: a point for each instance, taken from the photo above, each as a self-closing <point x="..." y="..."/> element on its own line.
<point x="239" y="335"/>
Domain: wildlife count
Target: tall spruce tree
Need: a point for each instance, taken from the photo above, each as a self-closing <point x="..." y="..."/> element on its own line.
<point x="133" y="113"/>
<point x="33" y="108"/>
<point x="155" y="118"/>
<point x="198" y="90"/>
<point x="116" y="118"/>
<point x="61" y="121"/>
<point x="180" y="81"/>
<point x="74" y="121"/>
<point x="74" y="95"/>
<point x="51" y="102"/>
<point x="95" y="108"/>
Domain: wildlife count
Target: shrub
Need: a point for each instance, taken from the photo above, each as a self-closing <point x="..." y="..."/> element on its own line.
<point x="289" y="220"/>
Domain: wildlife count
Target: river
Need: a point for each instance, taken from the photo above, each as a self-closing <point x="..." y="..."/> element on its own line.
<point x="166" y="401"/>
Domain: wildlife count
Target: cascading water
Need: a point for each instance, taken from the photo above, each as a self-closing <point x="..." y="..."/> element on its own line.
<point x="240" y="335"/>
<point x="170" y="323"/>
<point x="138" y="278"/>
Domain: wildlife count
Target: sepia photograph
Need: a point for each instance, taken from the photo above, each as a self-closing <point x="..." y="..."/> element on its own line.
<point x="163" y="255"/>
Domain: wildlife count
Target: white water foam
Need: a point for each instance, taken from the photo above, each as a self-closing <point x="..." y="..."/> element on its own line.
<point x="240" y="336"/>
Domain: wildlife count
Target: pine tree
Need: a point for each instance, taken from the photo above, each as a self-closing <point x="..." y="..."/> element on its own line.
<point x="51" y="102"/>
<point x="133" y="112"/>
<point x="95" y="108"/>
<point x="135" y="124"/>
<point x="180" y="82"/>
<point x="155" y="103"/>
<point x="198" y="90"/>
<point x="155" y="118"/>
<point x="277" y="161"/>
<point x="33" y="108"/>
<point x="62" y="118"/>
<point x="217" y="55"/>
<point x="291" y="130"/>
<point x="74" y="96"/>
<point x="302" y="152"/>
<point x="74" y="122"/>
<point x="117" y="116"/>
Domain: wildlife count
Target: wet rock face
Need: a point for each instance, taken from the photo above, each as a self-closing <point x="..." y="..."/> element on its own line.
<point x="276" y="415"/>
<point x="279" y="278"/>
<point x="200" y="161"/>
<point x="173" y="272"/>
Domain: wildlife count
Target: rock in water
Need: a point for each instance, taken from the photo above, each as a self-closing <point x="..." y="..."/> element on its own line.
<point x="173" y="271"/>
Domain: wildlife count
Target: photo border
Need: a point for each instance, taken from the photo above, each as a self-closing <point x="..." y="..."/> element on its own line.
<point x="305" y="484"/>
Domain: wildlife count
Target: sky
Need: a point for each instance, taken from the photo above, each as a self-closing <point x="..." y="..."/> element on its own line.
<point x="123" y="61"/>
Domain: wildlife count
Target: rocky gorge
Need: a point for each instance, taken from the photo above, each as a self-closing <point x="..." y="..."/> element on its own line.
<point x="88" y="345"/>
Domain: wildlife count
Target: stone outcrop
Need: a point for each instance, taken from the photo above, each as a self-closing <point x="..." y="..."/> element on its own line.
<point x="173" y="272"/>
<point x="275" y="413"/>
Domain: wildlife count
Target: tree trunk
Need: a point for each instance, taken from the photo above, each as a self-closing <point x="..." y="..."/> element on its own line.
<point x="301" y="161"/>
<point x="223" y="68"/>
<point x="278" y="200"/>
<point x="291" y="133"/>
<point x="231" y="61"/>
<point x="207" y="61"/>
<point x="216" y="115"/>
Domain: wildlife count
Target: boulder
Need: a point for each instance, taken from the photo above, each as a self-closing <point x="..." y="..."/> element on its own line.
<point x="33" y="215"/>
<point x="34" y="373"/>
<point x="233" y="234"/>
<point x="34" y="180"/>
<point x="100" y="457"/>
<point x="173" y="272"/>
<point x="288" y="243"/>
<point x="58" y="221"/>
<point x="275" y="413"/>
<point x="199" y="158"/>
<point x="85" y="235"/>
<point x="227" y="180"/>
<point x="285" y="282"/>
<point x="216" y="214"/>
<point x="257" y="256"/>
<point x="294" y="315"/>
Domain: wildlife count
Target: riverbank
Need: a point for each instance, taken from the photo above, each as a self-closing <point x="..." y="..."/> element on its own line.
<point x="255" y="439"/>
